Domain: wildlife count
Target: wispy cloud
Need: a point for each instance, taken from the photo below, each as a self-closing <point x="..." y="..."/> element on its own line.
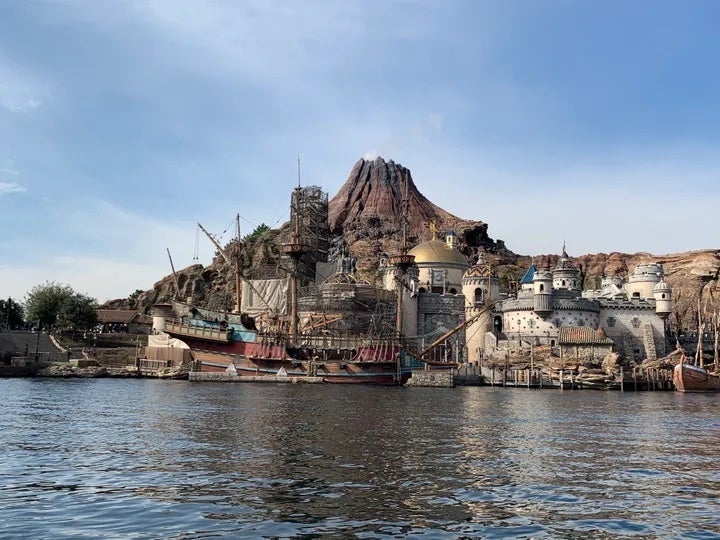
<point x="7" y="188"/>
<point x="19" y="92"/>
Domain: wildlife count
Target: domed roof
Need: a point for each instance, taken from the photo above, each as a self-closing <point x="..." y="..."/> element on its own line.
<point x="661" y="286"/>
<point x="437" y="251"/>
<point x="479" y="270"/>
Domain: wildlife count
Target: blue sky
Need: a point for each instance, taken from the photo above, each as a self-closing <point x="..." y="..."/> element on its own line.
<point x="123" y="123"/>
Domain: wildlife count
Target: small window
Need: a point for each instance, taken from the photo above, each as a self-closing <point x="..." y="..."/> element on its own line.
<point x="636" y="295"/>
<point x="542" y="288"/>
<point x="663" y="295"/>
<point x="635" y="322"/>
<point x="563" y="282"/>
<point x="479" y="295"/>
<point x="453" y="291"/>
<point x="611" y="322"/>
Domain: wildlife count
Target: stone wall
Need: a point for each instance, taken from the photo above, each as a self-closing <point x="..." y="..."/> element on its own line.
<point x="437" y="314"/>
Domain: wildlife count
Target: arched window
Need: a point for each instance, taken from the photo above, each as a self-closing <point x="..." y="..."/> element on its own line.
<point x="479" y="295"/>
<point x="453" y="291"/>
<point x="563" y="282"/>
<point x="636" y="295"/>
<point x="663" y="295"/>
<point x="542" y="287"/>
<point x="422" y="289"/>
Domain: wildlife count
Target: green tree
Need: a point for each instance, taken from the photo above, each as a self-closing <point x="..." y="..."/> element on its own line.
<point x="54" y="304"/>
<point x="257" y="232"/>
<point x="133" y="298"/>
<point x="11" y="314"/>
<point x="78" y="311"/>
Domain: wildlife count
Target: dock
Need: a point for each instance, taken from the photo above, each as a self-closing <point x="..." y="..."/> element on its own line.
<point x="631" y="380"/>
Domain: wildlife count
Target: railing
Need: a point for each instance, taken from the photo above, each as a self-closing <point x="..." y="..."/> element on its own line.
<point x="200" y="332"/>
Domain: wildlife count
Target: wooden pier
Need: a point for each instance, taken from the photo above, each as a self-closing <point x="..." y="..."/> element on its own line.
<point x="630" y="380"/>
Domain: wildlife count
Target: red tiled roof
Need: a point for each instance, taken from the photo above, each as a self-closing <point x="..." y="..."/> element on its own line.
<point x="582" y="335"/>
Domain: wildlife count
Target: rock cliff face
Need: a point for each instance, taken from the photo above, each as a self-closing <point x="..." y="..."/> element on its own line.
<point x="367" y="210"/>
<point x="365" y="220"/>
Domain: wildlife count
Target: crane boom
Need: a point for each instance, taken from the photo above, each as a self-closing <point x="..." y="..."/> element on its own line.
<point x="216" y="243"/>
<point x="175" y="279"/>
<point x="487" y="307"/>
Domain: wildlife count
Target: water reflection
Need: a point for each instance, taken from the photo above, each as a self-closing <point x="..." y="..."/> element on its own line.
<point x="172" y="459"/>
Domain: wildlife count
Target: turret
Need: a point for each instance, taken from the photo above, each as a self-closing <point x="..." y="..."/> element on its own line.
<point x="479" y="286"/>
<point x="160" y="313"/>
<point x="643" y="280"/>
<point x="451" y="240"/>
<point x="542" y="293"/>
<point x="565" y="275"/>
<point x="663" y="298"/>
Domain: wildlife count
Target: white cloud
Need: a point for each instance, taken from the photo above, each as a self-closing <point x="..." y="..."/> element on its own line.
<point x="10" y="187"/>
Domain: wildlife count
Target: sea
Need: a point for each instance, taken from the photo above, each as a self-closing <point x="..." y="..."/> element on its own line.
<point x="119" y="458"/>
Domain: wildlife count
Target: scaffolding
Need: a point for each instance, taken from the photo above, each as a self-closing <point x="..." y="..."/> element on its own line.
<point x="310" y="205"/>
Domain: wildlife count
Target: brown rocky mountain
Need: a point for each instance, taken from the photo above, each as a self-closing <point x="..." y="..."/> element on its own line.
<point x="365" y="219"/>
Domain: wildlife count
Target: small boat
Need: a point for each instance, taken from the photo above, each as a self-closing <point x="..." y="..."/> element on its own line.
<point x="690" y="378"/>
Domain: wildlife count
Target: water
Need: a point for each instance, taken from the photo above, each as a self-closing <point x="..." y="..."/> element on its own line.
<point x="159" y="459"/>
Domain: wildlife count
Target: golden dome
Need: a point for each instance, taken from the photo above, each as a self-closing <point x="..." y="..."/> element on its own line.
<point x="437" y="251"/>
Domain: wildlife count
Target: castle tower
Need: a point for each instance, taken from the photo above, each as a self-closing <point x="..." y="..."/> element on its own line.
<point x="451" y="240"/>
<point x="542" y="293"/>
<point x="663" y="298"/>
<point x="565" y="275"/>
<point x="643" y="280"/>
<point x="479" y="287"/>
<point x="160" y="313"/>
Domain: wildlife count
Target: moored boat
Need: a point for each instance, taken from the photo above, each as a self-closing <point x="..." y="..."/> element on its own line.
<point x="690" y="378"/>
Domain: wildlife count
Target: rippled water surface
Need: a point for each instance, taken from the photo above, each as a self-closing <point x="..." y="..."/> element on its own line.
<point x="160" y="459"/>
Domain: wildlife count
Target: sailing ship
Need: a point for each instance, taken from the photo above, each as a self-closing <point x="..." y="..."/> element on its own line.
<point x="691" y="378"/>
<point x="343" y="334"/>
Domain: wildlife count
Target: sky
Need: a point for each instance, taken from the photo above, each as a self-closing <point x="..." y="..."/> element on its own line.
<point x="124" y="123"/>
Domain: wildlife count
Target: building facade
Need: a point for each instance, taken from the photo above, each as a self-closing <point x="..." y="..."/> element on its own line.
<point x="630" y="316"/>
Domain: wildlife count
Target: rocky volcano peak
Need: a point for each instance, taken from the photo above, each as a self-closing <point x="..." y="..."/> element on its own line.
<point x="367" y="212"/>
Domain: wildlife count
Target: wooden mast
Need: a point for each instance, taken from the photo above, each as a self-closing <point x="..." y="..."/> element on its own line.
<point x="238" y="291"/>
<point x="295" y="249"/>
<point x="236" y="264"/>
<point x="402" y="262"/>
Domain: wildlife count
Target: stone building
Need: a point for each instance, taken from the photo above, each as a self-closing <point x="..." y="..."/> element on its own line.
<point x="630" y="317"/>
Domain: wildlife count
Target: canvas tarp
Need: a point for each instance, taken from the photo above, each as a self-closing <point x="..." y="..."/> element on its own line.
<point x="165" y="347"/>
<point x="265" y="295"/>
<point x="164" y="340"/>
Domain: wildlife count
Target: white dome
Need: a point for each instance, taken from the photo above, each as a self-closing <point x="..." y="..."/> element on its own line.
<point x="661" y="286"/>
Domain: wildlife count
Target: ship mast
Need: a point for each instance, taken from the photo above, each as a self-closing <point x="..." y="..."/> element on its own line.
<point x="236" y="263"/>
<point x="402" y="262"/>
<point x="238" y="250"/>
<point x="295" y="250"/>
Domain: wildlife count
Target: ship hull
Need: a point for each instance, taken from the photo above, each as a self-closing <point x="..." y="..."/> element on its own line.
<point x="244" y="360"/>
<point x="687" y="378"/>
